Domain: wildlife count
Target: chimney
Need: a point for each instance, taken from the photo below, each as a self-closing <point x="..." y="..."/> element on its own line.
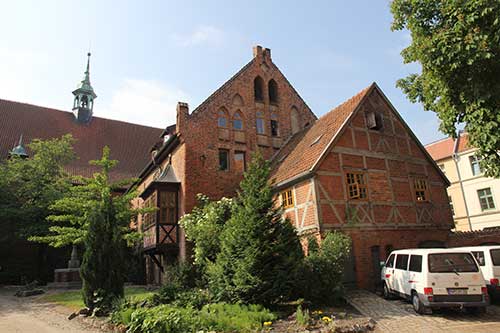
<point x="182" y="115"/>
<point x="263" y="53"/>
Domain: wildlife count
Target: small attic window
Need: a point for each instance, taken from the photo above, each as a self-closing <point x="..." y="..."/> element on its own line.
<point x="374" y="120"/>
<point x="315" y="141"/>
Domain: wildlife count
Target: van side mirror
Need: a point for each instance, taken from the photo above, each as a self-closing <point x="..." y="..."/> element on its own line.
<point x="382" y="264"/>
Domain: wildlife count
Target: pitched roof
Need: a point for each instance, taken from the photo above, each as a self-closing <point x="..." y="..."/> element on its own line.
<point x="444" y="148"/>
<point x="129" y="143"/>
<point x="301" y="152"/>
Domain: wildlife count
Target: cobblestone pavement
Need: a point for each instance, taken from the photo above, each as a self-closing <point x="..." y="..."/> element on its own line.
<point x="398" y="316"/>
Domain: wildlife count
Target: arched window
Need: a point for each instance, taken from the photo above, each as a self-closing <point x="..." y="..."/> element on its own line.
<point x="274" y="125"/>
<point x="237" y="121"/>
<point x="273" y="91"/>
<point x="222" y="118"/>
<point x="258" y="89"/>
<point x="294" y="115"/>
<point x="260" y="123"/>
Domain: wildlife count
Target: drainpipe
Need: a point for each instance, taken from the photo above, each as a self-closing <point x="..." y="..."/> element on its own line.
<point x="455" y="159"/>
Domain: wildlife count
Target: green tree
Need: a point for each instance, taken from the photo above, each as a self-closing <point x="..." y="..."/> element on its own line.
<point x="457" y="43"/>
<point x="29" y="187"/>
<point x="259" y="251"/>
<point x="203" y="226"/>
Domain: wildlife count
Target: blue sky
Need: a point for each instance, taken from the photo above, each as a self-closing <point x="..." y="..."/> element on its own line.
<point x="147" y="55"/>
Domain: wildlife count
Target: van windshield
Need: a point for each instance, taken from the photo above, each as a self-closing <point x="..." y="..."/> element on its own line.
<point x="452" y="263"/>
<point x="495" y="257"/>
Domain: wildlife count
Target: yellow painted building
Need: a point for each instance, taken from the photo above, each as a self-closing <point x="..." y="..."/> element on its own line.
<point x="475" y="199"/>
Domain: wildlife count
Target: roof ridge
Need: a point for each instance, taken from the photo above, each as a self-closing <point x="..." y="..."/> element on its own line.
<point x="64" y="111"/>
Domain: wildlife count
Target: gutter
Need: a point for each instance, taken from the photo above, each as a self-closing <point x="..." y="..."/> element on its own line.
<point x="455" y="159"/>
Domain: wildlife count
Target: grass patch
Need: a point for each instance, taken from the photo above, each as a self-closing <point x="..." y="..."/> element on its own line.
<point x="73" y="298"/>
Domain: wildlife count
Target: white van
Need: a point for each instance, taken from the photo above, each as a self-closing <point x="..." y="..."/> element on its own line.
<point x="488" y="258"/>
<point x="435" y="278"/>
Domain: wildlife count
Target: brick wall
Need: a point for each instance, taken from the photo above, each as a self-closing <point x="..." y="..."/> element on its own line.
<point x="474" y="238"/>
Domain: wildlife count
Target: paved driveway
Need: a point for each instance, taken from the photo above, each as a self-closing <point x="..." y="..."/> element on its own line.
<point x="398" y="316"/>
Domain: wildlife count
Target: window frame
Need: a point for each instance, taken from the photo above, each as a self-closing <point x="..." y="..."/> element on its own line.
<point x="486" y="197"/>
<point x="423" y="190"/>
<point x="397" y="261"/>
<point x="260" y="120"/>
<point x="392" y="258"/>
<point x="258" y="89"/>
<point x="475" y="162"/>
<point x="353" y="185"/>
<point x="413" y="269"/>
<point x="226" y="151"/>
<point x="240" y="152"/>
<point x="275" y="129"/>
<point x="222" y="115"/>
<point x="238" y="117"/>
<point x="287" y="199"/>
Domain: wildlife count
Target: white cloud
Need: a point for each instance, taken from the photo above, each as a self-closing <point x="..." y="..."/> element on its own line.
<point x="204" y="34"/>
<point x="145" y="102"/>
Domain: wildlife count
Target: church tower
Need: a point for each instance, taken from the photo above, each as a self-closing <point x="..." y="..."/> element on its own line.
<point x="83" y="103"/>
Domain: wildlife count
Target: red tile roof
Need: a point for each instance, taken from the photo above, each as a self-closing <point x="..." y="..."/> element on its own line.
<point x="129" y="143"/>
<point x="444" y="148"/>
<point x="300" y="154"/>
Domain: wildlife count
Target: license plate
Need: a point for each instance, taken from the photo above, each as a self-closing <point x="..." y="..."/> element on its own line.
<point x="456" y="291"/>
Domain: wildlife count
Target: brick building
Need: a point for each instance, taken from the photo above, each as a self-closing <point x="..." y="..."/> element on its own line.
<point x="358" y="169"/>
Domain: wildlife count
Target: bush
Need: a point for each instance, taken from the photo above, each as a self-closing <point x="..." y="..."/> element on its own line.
<point x="220" y="317"/>
<point x="323" y="269"/>
<point x="302" y="316"/>
<point x="185" y="275"/>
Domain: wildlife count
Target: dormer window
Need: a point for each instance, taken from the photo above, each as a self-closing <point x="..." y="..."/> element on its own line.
<point x="374" y="121"/>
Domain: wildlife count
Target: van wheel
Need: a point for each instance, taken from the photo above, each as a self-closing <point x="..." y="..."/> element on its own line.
<point x="386" y="293"/>
<point x="417" y="304"/>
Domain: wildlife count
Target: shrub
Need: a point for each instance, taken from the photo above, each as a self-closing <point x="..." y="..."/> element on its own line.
<point x="193" y="298"/>
<point x="220" y="317"/>
<point x="183" y="274"/>
<point x="323" y="269"/>
<point x="302" y="316"/>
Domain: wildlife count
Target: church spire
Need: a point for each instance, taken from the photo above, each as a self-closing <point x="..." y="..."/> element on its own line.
<point x="83" y="103"/>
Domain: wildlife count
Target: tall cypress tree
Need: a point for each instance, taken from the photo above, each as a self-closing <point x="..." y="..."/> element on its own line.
<point x="260" y="251"/>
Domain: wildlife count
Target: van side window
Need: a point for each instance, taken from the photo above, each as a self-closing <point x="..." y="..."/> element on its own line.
<point x="390" y="262"/>
<point x="402" y="261"/>
<point x="495" y="257"/>
<point x="479" y="255"/>
<point x="415" y="263"/>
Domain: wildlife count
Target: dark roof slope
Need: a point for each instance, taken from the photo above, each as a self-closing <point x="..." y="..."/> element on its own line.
<point x="129" y="143"/>
<point x="300" y="154"/>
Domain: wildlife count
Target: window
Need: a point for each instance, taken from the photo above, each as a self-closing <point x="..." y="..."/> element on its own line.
<point x="390" y="261"/>
<point x="495" y="257"/>
<point x="258" y="89"/>
<point x="479" y="255"/>
<point x="273" y="91"/>
<point x="452" y="263"/>
<point x="260" y="123"/>
<point x="222" y="119"/>
<point x="356" y="185"/>
<point x="421" y="190"/>
<point x="148" y="219"/>
<point x="287" y="198"/>
<point x="441" y="166"/>
<point x="374" y="120"/>
<point x="474" y="164"/>
<point x="237" y="121"/>
<point x="402" y="261"/>
<point x="168" y="207"/>
<point x="451" y="205"/>
<point x="415" y="263"/>
<point x="239" y="161"/>
<point x="274" y="125"/>
<point x="223" y="159"/>
<point x="486" y="199"/>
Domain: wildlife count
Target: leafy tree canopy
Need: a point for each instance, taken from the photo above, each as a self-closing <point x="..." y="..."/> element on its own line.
<point x="457" y="43"/>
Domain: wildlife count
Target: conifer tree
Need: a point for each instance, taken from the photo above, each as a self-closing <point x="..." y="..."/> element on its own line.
<point x="260" y="251"/>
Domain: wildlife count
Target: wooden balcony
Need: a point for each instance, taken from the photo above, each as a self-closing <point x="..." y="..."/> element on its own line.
<point x="161" y="237"/>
